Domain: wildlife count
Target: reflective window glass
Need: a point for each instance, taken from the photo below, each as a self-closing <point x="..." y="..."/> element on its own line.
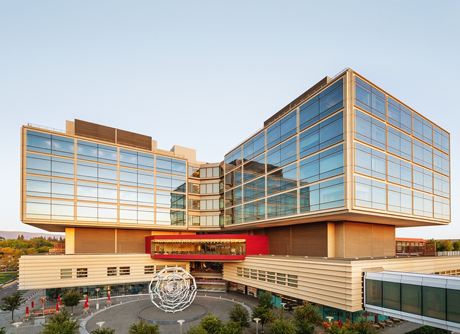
<point x="399" y="199"/>
<point x="369" y="98"/>
<point x="370" y="193"/>
<point x="254" y="168"/>
<point x="254" y="211"/>
<point x="282" y="205"/>
<point x="399" y="143"/>
<point x="370" y="161"/>
<point x="440" y="139"/>
<point x="399" y="171"/>
<point x="453" y="306"/>
<point x="374" y="292"/>
<point x="423" y="129"/>
<point x="37" y="208"/>
<point x="320" y="136"/>
<point x="441" y="185"/>
<point x="254" y="189"/>
<point x="423" y="204"/>
<point x="399" y="116"/>
<point x="441" y="162"/>
<point x="281" y="180"/>
<point x="322" y="105"/>
<point x="96" y="152"/>
<point x="322" y="165"/>
<point x="38" y="164"/>
<point x="128" y="176"/>
<point x="62" y="210"/>
<point x="422" y="154"/>
<point x="233" y="159"/>
<point x="282" y="154"/>
<point x="53" y="144"/>
<point x="423" y="179"/>
<point x="441" y="208"/>
<point x="370" y="130"/>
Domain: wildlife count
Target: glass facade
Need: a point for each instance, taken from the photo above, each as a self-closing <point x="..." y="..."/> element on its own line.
<point x="293" y="166"/>
<point x="402" y="158"/>
<point x="304" y="161"/>
<point x="77" y="180"/>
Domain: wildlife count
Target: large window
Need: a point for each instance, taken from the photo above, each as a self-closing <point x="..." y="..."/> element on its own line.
<point x="254" y="211"/>
<point x="422" y="154"/>
<point x="423" y="204"/>
<point x="373" y="292"/>
<point x="423" y="129"/>
<point x="171" y="183"/>
<point x="399" y="116"/>
<point x="254" y="147"/>
<point x="423" y="179"/>
<point x="370" y="130"/>
<point x="255" y="189"/>
<point x="254" y="168"/>
<point x="399" y="143"/>
<point x="46" y="165"/>
<point x="370" y="161"/>
<point x="441" y="162"/>
<point x="322" y="105"/>
<point x="399" y="171"/>
<point x="399" y="199"/>
<point x="282" y="205"/>
<point x="370" y="193"/>
<point x="369" y="98"/>
<point x="52" y="144"/>
<point x="323" y="165"/>
<point x="440" y="139"/>
<point x="171" y="166"/>
<point x="282" y="179"/>
<point x="320" y="136"/>
<point x="282" y="129"/>
<point x="441" y="185"/>
<point x="321" y="196"/>
<point x="282" y="154"/>
<point x="97" y="152"/>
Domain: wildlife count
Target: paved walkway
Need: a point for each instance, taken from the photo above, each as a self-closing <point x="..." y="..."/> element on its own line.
<point x="124" y="311"/>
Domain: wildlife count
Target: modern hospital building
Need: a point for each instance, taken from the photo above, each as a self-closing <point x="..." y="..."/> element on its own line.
<point x="306" y="208"/>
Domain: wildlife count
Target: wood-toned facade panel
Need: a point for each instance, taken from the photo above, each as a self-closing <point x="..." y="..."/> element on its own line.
<point x="129" y="241"/>
<point x="46" y="272"/>
<point x="94" y="241"/>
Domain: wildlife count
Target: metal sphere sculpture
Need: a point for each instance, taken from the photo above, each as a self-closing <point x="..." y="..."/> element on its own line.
<point x="172" y="290"/>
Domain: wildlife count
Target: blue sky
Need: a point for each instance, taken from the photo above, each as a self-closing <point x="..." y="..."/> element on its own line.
<point x="188" y="72"/>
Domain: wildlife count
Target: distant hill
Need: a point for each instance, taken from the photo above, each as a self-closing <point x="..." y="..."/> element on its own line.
<point x="29" y="235"/>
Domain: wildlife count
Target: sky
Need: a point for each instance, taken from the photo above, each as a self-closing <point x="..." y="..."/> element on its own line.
<point x="206" y="74"/>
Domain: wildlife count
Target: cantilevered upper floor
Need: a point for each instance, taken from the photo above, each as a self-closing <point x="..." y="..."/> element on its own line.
<point x="345" y="150"/>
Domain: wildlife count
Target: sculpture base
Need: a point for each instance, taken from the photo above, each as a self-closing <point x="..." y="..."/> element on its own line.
<point x="154" y="315"/>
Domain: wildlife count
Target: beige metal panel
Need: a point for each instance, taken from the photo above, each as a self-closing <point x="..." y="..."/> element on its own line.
<point x="70" y="240"/>
<point x="44" y="271"/>
<point x="330" y="282"/>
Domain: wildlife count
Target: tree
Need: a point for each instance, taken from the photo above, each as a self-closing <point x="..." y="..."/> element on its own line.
<point x="103" y="331"/>
<point x="196" y="330"/>
<point x="12" y="303"/>
<point x="61" y="323"/>
<point x="445" y="245"/>
<point x="264" y="309"/>
<point x="71" y="298"/>
<point x="211" y="324"/>
<point x="305" y="318"/>
<point x="456" y="245"/>
<point x="282" y="326"/>
<point x="231" y="327"/>
<point x="143" y="327"/>
<point x="2" y="330"/>
<point x="240" y="315"/>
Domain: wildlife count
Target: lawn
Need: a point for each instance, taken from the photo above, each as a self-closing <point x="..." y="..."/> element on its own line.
<point x="5" y="277"/>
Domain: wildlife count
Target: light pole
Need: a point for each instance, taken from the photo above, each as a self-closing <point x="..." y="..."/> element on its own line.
<point x="329" y="318"/>
<point x="180" y="323"/>
<point x="257" y="324"/>
<point x="100" y="323"/>
<point x="282" y="309"/>
<point x="97" y="298"/>
<point x="17" y="324"/>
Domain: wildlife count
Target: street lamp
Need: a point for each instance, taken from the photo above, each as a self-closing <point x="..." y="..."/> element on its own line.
<point x="329" y="318"/>
<point x="97" y="298"/>
<point x="282" y="309"/>
<point x="100" y="323"/>
<point x="17" y="324"/>
<point x="257" y="324"/>
<point x="180" y="323"/>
